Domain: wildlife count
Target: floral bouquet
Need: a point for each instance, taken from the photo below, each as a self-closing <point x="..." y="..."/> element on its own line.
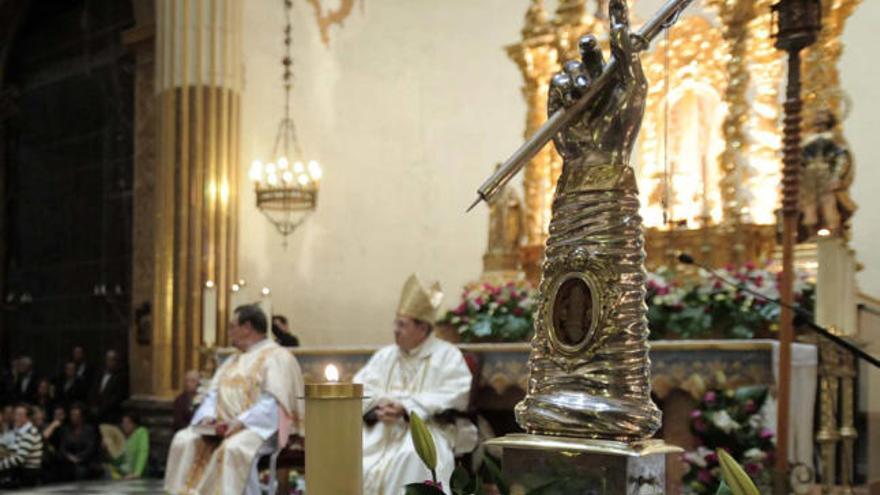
<point x="497" y="313"/>
<point x="709" y="308"/>
<point x="729" y="421"/>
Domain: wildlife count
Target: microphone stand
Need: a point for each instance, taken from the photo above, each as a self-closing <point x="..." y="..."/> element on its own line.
<point x="802" y="316"/>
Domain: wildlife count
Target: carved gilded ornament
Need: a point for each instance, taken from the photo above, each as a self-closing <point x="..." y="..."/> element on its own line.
<point x="697" y="79"/>
<point x="328" y="17"/>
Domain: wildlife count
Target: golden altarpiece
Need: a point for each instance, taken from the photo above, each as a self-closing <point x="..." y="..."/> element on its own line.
<point x="708" y="156"/>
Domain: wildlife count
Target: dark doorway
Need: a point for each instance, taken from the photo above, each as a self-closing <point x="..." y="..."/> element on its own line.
<point x="67" y="165"/>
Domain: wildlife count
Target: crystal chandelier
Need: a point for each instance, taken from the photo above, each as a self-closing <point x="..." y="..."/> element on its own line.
<point x="287" y="186"/>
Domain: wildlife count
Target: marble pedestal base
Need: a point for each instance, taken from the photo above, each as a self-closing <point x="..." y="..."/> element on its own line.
<point x="560" y="465"/>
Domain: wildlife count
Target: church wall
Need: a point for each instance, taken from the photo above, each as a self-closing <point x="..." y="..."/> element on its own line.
<point x="860" y="77"/>
<point x="407" y="111"/>
<point x="390" y="110"/>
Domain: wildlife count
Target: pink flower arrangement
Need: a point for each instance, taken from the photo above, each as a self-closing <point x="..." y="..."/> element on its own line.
<point x="493" y="313"/>
<point x="729" y="420"/>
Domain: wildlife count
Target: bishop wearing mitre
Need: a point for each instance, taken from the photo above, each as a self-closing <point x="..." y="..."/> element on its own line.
<point x="251" y="408"/>
<point x="418" y="374"/>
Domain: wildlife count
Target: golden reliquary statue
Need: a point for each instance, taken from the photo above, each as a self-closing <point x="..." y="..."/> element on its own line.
<point x="590" y="373"/>
<point x="827" y="174"/>
<point x="506" y="230"/>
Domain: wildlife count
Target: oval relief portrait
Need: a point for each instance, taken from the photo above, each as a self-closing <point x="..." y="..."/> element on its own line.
<point x="573" y="312"/>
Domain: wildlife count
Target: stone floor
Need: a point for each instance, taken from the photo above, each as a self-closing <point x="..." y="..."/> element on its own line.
<point x="135" y="487"/>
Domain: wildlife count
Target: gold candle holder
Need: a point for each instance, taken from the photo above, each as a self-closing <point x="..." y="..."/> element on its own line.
<point x="334" y="436"/>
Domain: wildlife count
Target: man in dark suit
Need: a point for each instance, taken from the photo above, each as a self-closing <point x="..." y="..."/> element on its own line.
<point x="70" y="388"/>
<point x="109" y="391"/>
<point x="26" y="381"/>
<point x="84" y="371"/>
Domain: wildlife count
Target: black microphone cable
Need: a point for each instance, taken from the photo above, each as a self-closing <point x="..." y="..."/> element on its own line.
<point x="802" y="317"/>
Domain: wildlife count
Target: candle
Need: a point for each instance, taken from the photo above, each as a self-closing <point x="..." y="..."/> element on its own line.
<point x="334" y="429"/>
<point x="209" y="314"/>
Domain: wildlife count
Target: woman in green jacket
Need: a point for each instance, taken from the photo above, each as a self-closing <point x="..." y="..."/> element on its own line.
<point x="132" y="463"/>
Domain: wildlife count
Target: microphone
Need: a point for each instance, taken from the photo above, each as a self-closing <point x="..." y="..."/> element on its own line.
<point x="801" y="318"/>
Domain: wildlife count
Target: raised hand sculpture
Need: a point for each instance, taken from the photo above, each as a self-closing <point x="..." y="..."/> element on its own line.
<point x="590" y="373"/>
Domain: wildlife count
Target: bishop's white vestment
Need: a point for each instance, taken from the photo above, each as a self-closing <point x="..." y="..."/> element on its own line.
<point x="261" y="388"/>
<point x="429" y="379"/>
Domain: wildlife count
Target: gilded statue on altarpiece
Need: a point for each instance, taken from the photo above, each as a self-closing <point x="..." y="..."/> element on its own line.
<point x="825" y="179"/>
<point x="590" y="373"/>
<point x="506" y="232"/>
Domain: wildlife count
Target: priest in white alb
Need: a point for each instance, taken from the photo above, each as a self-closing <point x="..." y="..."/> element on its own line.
<point x="419" y="374"/>
<point x="250" y="410"/>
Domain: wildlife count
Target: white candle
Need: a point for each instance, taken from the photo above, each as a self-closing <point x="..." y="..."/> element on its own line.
<point x="209" y="314"/>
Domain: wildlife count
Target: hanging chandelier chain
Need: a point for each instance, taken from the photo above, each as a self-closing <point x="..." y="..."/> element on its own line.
<point x="287" y="128"/>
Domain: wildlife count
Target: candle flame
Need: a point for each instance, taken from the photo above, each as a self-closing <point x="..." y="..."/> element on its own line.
<point x="331" y="373"/>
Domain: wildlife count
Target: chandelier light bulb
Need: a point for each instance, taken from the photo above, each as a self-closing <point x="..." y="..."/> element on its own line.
<point x="298" y="167"/>
<point x="303" y="179"/>
<point x="256" y="172"/>
<point x="315" y="170"/>
<point x="272" y="179"/>
<point x="283" y="163"/>
<point x="287" y="176"/>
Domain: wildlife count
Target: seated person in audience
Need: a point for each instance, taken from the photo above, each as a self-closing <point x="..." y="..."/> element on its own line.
<point x="52" y="430"/>
<point x="109" y="390"/>
<point x="183" y="404"/>
<point x="7" y="427"/>
<point x="70" y="388"/>
<point x="132" y="464"/>
<point x="51" y="433"/>
<point x="281" y="331"/>
<point x="251" y="408"/>
<point x="84" y="370"/>
<point x="43" y="397"/>
<point x="21" y="464"/>
<point x="78" y="447"/>
<point x="419" y="374"/>
<point x="26" y="383"/>
<point x="39" y="418"/>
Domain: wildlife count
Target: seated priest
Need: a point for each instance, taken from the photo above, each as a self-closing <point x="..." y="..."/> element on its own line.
<point x="420" y="374"/>
<point x="252" y="406"/>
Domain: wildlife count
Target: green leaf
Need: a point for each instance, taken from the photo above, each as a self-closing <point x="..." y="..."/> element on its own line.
<point x="423" y="441"/>
<point x="482" y="328"/>
<point x="421" y="489"/>
<point x="461" y="483"/>
<point x="478" y="489"/>
<point x="495" y="473"/>
<point x="723" y="489"/>
<point x="757" y="393"/>
<point x="733" y="474"/>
